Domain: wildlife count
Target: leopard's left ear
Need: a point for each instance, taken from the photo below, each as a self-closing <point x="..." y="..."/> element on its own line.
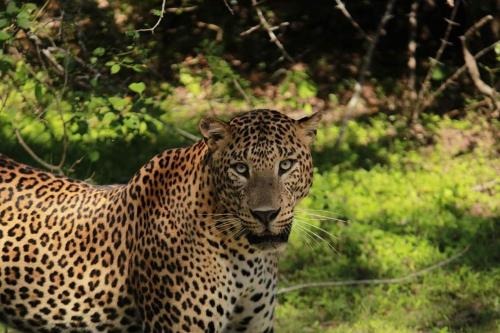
<point x="215" y="131"/>
<point x="308" y="126"/>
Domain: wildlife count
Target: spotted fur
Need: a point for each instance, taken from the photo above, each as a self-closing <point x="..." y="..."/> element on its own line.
<point x="158" y="254"/>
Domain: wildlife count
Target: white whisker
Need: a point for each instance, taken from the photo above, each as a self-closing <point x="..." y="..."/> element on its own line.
<point x="330" y="245"/>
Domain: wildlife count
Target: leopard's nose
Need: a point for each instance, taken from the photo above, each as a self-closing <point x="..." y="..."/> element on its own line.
<point x="265" y="216"/>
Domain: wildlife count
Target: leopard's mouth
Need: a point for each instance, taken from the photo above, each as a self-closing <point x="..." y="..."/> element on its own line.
<point x="268" y="240"/>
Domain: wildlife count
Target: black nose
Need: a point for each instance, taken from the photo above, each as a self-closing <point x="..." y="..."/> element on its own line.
<point x="265" y="216"/>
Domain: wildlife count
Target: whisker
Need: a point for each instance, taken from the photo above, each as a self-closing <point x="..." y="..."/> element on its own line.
<point x="307" y="238"/>
<point x="330" y="245"/>
<point x="321" y="217"/>
<point x="316" y="227"/>
<point x="308" y="234"/>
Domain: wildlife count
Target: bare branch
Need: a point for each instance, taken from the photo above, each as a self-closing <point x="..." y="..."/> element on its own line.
<point x="219" y="33"/>
<point x="250" y="30"/>
<point x="162" y="13"/>
<point x="424" y="88"/>
<point x="476" y="26"/>
<point x="242" y="92"/>
<point x="403" y="279"/>
<point x="180" y="10"/>
<point x="341" y="7"/>
<point x="265" y="24"/>
<point x="471" y="63"/>
<point x="258" y="26"/>
<point x="430" y="99"/>
<point x="228" y="7"/>
<point x="412" y="48"/>
<point x="39" y="160"/>
<point x="367" y="59"/>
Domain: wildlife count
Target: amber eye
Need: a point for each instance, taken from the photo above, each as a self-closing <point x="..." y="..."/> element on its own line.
<point x="285" y="166"/>
<point x="241" y="168"/>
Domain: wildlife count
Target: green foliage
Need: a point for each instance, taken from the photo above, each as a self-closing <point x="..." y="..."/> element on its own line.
<point x="418" y="207"/>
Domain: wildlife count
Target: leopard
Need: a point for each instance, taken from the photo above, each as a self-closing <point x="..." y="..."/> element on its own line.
<point x="190" y="244"/>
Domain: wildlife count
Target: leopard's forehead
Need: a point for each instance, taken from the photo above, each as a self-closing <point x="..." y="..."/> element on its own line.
<point x="264" y="127"/>
<point x="262" y="135"/>
<point x="262" y="120"/>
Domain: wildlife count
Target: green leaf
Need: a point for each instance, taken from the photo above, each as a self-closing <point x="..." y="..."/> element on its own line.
<point x="118" y="103"/>
<point x="12" y="8"/>
<point x="39" y="93"/>
<point x="99" y="52"/>
<point x="94" y="155"/>
<point x="156" y="12"/>
<point x="23" y="23"/>
<point x="29" y="7"/>
<point x="109" y="117"/>
<point x="3" y="23"/>
<point x="437" y="74"/>
<point x="115" y="68"/>
<point x="4" y="36"/>
<point x="137" y="87"/>
<point x="138" y="68"/>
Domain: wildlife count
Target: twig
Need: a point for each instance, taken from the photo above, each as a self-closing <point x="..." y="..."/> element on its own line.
<point x="430" y="99"/>
<point x="39" y="160"/>
<point x="265" y="24"/>
<point x="341" y="7"/>
<point x="186" y="134"/>
<point x="353" y="102"/>
<point x="242" y="92"/>
<point x="412" y="47"/>
<point x="471" y="63"/>
<point x="162" y="13"/>
<point x="228" y="7"/>
<point x="424" y="88"/>
<point x="250" y="30"/>
<point x="59" y="110"/>
<point x="219" y="33"/>
<point x="59" y="69"/>
<point x="258" y="26"/>
<point x="180" y="10"/>
<point x="403" y="279"/>
<point x="476" y="26"/>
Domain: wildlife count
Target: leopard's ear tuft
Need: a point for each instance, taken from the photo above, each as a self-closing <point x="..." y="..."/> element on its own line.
<point x="308" y="126"/>
<point x="215" y="131"/>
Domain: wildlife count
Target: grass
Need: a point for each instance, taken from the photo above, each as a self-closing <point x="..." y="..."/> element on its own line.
<point x="406" y="208"/>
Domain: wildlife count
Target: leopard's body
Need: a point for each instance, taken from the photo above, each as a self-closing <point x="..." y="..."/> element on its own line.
<point x="180" y="248"/>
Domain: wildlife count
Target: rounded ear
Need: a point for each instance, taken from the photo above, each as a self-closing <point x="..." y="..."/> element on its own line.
<point x="216" y="132"/>
<point x="308" y="126"/>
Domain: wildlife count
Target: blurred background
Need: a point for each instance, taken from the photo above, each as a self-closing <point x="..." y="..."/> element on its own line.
<point x="407" y="159"/>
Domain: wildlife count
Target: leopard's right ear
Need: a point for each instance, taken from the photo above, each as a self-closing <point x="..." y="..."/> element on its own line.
<point x="216" y="132"/>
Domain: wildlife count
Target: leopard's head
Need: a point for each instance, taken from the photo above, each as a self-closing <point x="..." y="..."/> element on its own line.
<point x="261" y="167"/>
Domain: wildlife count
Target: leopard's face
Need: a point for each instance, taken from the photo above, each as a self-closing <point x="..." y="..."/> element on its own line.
<point x="261" y="168"/>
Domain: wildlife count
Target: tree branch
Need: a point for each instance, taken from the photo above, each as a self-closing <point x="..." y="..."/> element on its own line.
<point x="39" y="160"/>
<point x="341" y="7"/>
<point x="403" y="279"/>
<point x="228" y="7"/>
<point x="471" y="63"/>
<point x="420" y="105"/>
<point x="162" y="13"/>
<point x="367" y="59"/>
<point x="219" y="33"/>
<point x="430" y="99"/>
<point x="412" y="48"/>
<point x="265" y="24"/>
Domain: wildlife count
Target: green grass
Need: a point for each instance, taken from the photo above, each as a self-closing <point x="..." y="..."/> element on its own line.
<point x="406" y="208"/>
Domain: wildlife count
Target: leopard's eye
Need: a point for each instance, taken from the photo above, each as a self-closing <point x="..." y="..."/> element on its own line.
<point x="285" y="165"/>
<point x="241" y="168"/>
